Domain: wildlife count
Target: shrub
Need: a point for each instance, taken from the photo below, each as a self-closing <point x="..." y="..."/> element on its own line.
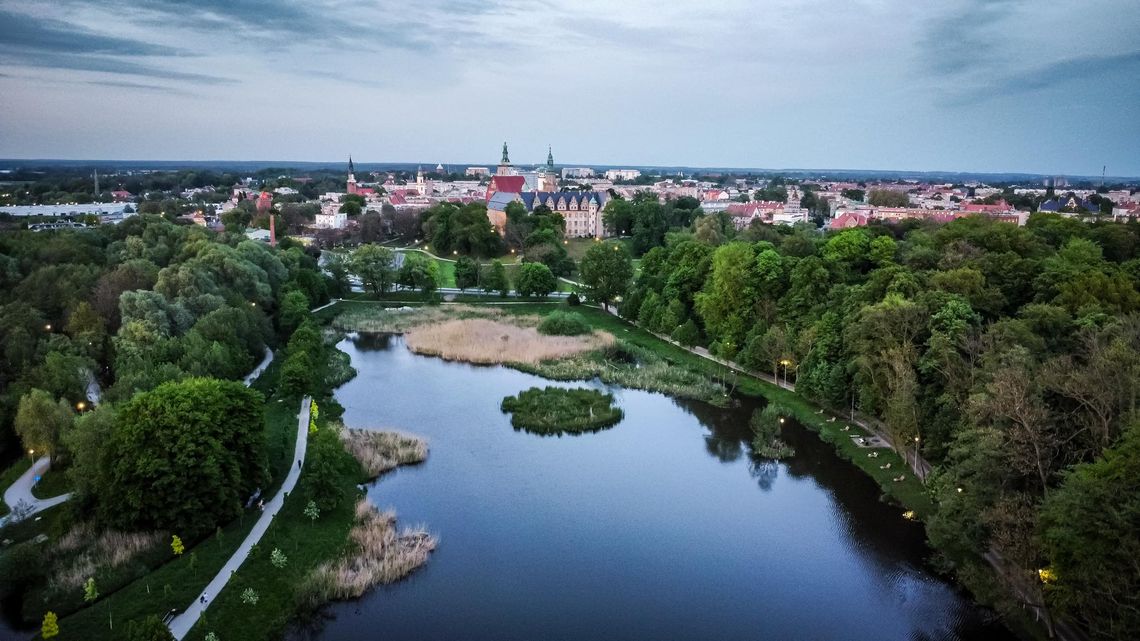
<point x="556" y="411"/>
<point x="766" y="429"/>
<point x="564" y="324"/>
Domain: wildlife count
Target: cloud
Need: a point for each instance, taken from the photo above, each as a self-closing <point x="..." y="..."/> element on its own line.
<point x="1071" y="75"/>
<point x="965" y="39"/>
<point x="24" y="34"/>
<point x="114" y="65"/>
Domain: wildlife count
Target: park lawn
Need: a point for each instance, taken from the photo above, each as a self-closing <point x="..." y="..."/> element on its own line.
<point x="176" y="583"/>
<point x="9" y="476"/>
<point x="53" y="483"/>
<point x="306" y="544"/>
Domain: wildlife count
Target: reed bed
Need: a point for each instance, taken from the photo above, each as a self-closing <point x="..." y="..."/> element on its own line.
<point x="378" y="555"/>
<point x="380" y="452"/>
<point x="397" y="320"/>
<point x="629" y="367"/>
<point x="83" y="554"/>
<point x="485" y="341"/>
<point x="555" y="411"/>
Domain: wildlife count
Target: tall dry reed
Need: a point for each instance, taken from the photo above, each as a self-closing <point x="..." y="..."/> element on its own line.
<point x="379" y="452"/>
<point x="379" y="554"/>
<point x="83" y="553"/>
<point x="484" y="341"/>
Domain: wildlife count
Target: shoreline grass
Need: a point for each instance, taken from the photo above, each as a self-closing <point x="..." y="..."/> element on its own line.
<point x="378" y="555"/>
<point x="380" y="452"/>
<point x="554" y="411"/>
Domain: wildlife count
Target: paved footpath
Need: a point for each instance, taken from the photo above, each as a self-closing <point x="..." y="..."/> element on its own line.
<point x="21" y="492"/>
<point x="181" y="624"/>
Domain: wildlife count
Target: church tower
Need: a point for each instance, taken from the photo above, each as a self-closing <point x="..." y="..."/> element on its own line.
<point x="351" y="187"/>
<point x="505" y="168"/>
<point x="547" y="179"/>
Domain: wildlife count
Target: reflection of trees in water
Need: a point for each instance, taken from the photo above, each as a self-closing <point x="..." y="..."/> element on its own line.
<point x="369" y="342"/>
<point x="726" y="450"/>
<point x="765" y="471"/>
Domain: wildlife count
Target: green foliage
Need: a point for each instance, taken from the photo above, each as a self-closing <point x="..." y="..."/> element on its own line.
<point x="278" y="558"/>
<point x="183" y="457"/>
<point x="419" y="272"/>
<point x="466" y="273"/>
<point x="559" y="323"/>
<point x="41" y="420"/>
<point x="557" y="411"/>
<point x="766" y="425"/>
<point x="373" y="265"/>
<point x="90" y="591"/>
<point x="494" y="279"/>
<point x="464" y="229"/>
<point x="50" y="627"/>
<point x="535" y="279"/>
<point x="324" y="467"/>
<point x="606" y="271"/>
<point x="1091" y="537"/>
<point x="249" y="596"/>
<point x="888" y="198"/>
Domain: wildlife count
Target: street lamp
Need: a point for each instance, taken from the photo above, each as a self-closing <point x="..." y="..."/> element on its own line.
<point x="785" y="362"/>
<point x="81" y="406"/>
<point x="47" y="328"/>
<point x="32" y="455"/>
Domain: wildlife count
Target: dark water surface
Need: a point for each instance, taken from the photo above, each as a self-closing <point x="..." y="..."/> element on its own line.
<point x="660" y="528"/>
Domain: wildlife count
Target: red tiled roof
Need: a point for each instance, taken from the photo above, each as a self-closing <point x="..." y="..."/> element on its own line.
<point x="509" y="184"/>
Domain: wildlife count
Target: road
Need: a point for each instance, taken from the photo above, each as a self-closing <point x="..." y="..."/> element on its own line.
<point x="21" y="492"/>
<point x="181" y="624"/>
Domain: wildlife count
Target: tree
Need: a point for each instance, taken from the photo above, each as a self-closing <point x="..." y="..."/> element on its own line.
<point x="466" y="273"/>
<point x="419" y="272"/>
<point x="606" y="271"/>
<point x="312" y="512"/>
<point x="249" y="596"/>
<point x="494" y="278"/>
<point x="293" y="310"/>
<point x="278" y="559"/>
<point x="338" y="269"/>
<point x="176" y="545"/>
<point x="535" y="279"/>
<point x="1091" y="538"/>
<point x="186" y="456"/>
<point x="90" y="591"/>
<point x="149" y="629"/>
<point x="725" y="303"/>
<point x="40" y="421"/>
<point x="888" y="198"/>
<point x="373" y="265"/>
<point x="50" y="627"/>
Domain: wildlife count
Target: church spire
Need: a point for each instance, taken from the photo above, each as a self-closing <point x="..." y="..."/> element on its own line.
<point x="549" y="158"/>
<point x="506" y="159"/>
<point x="351" y="170"/>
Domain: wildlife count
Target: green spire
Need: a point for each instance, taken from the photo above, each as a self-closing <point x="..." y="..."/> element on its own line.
<point x="350" y="168"/>
<point x="506" y="159"/>
<point x="549" y="158"/>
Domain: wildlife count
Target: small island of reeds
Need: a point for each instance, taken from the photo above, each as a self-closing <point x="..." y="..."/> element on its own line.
<point x="557" y="411"/>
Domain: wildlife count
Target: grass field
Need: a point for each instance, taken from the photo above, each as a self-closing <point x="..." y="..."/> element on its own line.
<point x="9" y="477"/>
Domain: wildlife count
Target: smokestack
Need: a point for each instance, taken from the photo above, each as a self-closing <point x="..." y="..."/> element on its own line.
<point x="272" y="231"/>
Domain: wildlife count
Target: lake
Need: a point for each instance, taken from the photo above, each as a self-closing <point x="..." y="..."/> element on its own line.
<point x="663" y="527"/>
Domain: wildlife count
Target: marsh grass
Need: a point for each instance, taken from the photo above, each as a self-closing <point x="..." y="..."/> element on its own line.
<point x="486" y="341"/>
<point x="629" y="366"/>
<point x="380" y="452"/>
<point x="378" y="555"/>
<point x="556" y="411"/>
<point x="82" y="554"/>
<point x="397" y="320"/>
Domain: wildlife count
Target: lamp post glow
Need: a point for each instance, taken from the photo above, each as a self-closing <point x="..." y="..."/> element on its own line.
<point x="785" y="362"/>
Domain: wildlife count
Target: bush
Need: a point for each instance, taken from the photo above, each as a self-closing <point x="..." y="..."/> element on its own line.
<point x="564" y="324"/>
<point x="556" y="411"/>
<point x="766" y="425"/>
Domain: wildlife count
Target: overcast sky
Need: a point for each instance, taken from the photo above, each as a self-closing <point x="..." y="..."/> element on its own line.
<point x="1049" y="86"/>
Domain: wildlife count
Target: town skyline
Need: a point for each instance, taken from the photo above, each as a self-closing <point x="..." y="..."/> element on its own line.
<point x="966" y="87"/>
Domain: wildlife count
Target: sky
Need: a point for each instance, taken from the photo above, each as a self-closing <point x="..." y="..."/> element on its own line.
<point x="1039" y="86"/>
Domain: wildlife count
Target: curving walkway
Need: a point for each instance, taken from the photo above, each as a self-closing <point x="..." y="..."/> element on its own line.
<point x="20" y="493"/>
<point x="181" y="624"/>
